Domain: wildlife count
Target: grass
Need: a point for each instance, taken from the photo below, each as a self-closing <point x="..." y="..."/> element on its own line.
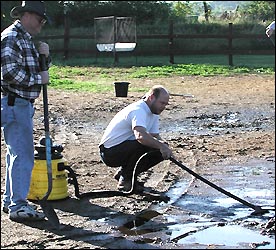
<point x="127" y="60"/>
<point x="81" y="74"/>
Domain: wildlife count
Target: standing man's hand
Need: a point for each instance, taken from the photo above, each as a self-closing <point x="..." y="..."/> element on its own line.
<point x="43" y="49"/>
<point x="44" y="77"/>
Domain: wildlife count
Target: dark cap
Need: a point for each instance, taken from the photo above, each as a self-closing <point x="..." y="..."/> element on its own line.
<point x="37" y="7"/>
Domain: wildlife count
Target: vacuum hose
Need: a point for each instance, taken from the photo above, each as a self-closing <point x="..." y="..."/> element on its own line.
<point x="110" y="193"/>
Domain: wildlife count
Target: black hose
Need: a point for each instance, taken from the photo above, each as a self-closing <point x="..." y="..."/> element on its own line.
<point x="95" y="193"/>
<point x="258" y="209"/>
<point x="110" y="193"/>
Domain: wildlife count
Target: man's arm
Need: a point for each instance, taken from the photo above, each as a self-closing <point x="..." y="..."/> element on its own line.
<point x="153" y="141"/>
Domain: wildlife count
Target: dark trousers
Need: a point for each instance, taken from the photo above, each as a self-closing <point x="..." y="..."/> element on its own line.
<point x="127" y="154"/>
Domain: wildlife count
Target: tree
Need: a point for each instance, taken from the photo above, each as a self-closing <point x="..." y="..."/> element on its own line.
<point x="259" y="10"/>
<point x="182" y="9"/>
<point x="143" y="11"/>
<point x="207" y="11"/>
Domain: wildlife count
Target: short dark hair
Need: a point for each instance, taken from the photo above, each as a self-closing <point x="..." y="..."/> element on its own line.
<point x="156" y="90"/>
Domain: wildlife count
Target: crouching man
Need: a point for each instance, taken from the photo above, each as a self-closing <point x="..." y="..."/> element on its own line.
<point x="133" y="132"/>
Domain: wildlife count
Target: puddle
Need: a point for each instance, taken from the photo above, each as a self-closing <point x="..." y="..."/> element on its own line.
<point x="229" y="235"/>
<point x="131" y="227"/>
<point x="214" y="229"/>
<point x="213" y="220"/>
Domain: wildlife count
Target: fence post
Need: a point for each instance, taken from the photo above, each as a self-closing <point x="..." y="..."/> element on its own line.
<point x="115" y="37"/>
<point x="66" y="35"/>
<point x="230" y="39"/>
<point x="171" y="41"/>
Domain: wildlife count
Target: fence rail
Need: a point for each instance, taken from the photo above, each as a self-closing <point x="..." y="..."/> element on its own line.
<point x="170" y="50"/>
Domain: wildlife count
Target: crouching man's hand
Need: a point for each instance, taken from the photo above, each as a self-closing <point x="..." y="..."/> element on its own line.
<point x="166" y="151"/>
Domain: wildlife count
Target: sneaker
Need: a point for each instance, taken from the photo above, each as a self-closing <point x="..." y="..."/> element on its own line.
<point x="26" y="213"/>
<point x="126" y="185"/>
<point x="139" y="187"/>
<point x="118" y="174"/>
<point x="5" y="208"/>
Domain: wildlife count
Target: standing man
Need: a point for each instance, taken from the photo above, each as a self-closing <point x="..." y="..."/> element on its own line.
<point x="133" y="132"/>
<point x="21" y="82"/>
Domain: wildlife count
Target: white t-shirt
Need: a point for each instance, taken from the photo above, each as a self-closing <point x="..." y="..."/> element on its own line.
<point x="121" y="126"/>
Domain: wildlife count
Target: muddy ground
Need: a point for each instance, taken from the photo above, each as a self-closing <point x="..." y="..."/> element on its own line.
<point x="217" y="128"/>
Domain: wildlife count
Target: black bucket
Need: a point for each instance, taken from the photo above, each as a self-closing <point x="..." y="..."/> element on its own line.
<point x="121" y="89"/>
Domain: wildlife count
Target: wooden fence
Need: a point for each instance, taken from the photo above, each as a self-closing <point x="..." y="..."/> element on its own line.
<point x="170" y="51"/>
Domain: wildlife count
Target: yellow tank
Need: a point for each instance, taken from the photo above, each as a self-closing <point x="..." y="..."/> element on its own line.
<point x="39" y="181"/>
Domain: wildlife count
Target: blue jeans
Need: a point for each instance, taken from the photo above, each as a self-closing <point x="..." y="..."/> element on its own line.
<point x="17" y="127"/>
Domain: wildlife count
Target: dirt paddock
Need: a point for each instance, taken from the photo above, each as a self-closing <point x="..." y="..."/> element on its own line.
<point x="220" y="121"/>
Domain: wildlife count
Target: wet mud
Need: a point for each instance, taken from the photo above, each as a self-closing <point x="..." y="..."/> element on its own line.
<point x="224" y="130"/>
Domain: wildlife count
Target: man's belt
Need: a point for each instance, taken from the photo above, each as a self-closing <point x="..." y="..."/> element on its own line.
<point x="12" y="96"/>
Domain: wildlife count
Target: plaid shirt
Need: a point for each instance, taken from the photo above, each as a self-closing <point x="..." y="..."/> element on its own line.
<point x="19" y="62"/>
